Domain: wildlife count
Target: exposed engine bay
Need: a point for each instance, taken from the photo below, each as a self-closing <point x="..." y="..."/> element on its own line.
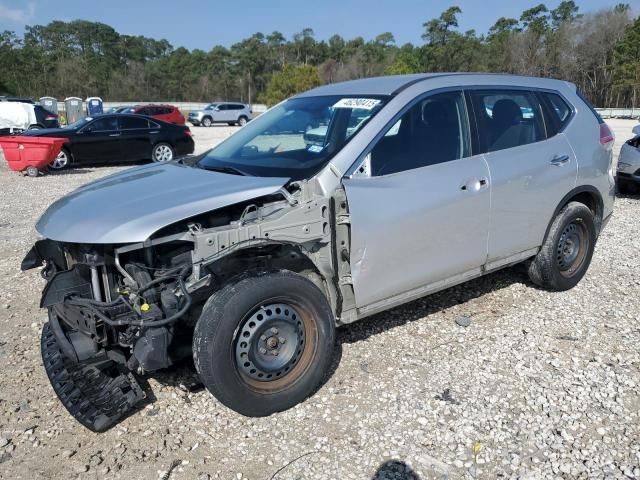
<point x="119" y="309"/>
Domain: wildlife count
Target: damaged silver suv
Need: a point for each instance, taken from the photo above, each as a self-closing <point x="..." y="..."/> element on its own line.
<point x="249" y="258"/>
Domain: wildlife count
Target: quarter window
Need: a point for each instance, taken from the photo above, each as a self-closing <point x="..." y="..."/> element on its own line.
<point x="434" y="130"/>
<point x="558" y="113"/>
<point x="507" y="118"/>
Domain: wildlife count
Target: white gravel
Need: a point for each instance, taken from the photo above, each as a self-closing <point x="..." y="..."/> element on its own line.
<point x="538" y="385"/>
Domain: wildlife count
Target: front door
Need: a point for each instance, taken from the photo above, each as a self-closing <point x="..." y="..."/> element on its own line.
<point x="99" y="141"/>
<point x="531" y="169"/>
<point x="420" y="213"/>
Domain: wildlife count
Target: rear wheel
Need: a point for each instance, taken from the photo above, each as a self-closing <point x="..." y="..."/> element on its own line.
<point x="566" y="253"/>
<point x="206" y="122"/>
<point x="162" y="152"/>
<point x="242" y="121"/>
<point x="62" y="160"/>
<point x="263" y="343"/>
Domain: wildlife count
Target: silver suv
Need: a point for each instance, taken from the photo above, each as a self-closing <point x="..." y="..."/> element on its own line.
<point x="249" y="259"/>
<point x="221" y="112"/>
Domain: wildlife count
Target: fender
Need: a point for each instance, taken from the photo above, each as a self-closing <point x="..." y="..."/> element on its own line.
<point x="581" y="189"/>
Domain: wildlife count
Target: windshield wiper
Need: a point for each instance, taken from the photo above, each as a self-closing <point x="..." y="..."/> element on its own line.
<point x="221" y="169"/>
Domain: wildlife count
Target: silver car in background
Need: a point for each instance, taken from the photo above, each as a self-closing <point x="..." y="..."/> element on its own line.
<point x="249" y="259"/>
<point x="629" y="164"/>
<point x="230" y="113"/>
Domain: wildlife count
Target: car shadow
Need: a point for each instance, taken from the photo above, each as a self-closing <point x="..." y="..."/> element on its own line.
<point x="431" y="304"/>
<point x="395" y="470"/>
<point x="183" y="378"/>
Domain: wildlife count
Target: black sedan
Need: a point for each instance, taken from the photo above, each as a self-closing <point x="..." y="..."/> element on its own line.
<point x="118" y="138"/>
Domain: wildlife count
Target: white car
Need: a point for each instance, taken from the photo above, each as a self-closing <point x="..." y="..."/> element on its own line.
<point x="629" y="164"/>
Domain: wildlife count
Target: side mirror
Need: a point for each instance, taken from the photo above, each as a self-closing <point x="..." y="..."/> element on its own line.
<point x="636" y="130"/>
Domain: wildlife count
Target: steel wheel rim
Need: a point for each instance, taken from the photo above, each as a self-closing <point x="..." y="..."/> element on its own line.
<point x="572" y="248"/>
<point x="242" y="121"/>
<point x="60" y="161"/>
<point x="163" y="153"/>
<point x="206" y="122"/>
<point x="273" y="373"/>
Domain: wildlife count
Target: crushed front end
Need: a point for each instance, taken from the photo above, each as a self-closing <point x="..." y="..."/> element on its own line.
<point x="107" y="320"/>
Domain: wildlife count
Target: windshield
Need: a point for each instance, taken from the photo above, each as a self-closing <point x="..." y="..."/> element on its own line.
<point x="294" y="139"/>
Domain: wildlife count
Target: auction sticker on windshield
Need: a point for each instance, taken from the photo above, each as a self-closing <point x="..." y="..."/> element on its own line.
<point x="362" y="103"/>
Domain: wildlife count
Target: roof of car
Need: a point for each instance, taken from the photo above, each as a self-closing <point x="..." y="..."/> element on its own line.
<point x="392" y="84"/>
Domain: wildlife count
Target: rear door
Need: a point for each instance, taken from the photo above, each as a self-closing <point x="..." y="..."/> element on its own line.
<point x="530" y="170"/>
<point x="420" y="213"/>
<point x="99" y="141"/>
<point x="135" y="138"/>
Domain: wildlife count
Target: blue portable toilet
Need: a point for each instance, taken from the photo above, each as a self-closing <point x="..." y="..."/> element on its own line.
<point x="94" y="106"/>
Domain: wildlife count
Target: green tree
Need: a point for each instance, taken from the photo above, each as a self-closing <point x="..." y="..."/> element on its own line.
<point x="627" y="61"/>
<point x="291" y="80"/>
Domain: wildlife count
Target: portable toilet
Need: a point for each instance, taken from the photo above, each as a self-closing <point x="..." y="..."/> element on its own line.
<point x="50" y="104"/>
<point x="94" y="106"/>
<point x="73" y="108"/>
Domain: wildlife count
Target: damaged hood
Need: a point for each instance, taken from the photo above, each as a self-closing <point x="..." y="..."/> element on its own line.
<point x="130" y="206"/>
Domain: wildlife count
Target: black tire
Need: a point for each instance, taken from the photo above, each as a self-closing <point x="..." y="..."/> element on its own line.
<point x="566" y="252"/>
<point x="62" y="161"/>
<point x="242" y="120"/>
<point x="207" y="122"/>
<point x="626" y="187"/>
<point x="221" y="339"/>
<point x="162" y="152"/>
<point x="231" y="124"/>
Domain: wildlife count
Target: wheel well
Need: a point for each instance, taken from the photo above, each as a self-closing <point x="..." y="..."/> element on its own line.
<point x="270" y="257"/>
<point x="588" y="196"/>
<point x="588" y="199"/>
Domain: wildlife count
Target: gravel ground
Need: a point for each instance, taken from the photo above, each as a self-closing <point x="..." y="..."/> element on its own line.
<point x="538" y="385"/>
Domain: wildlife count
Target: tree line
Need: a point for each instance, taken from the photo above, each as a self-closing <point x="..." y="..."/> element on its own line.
<point x="598" y="51"/>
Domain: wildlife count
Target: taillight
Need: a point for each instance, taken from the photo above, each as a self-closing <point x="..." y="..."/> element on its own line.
<point x="606" y="137"/>
<point x="51" y="117"/>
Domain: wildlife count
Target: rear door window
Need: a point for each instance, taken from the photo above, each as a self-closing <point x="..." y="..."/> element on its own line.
<point x="557" y="112"/>
<point x="133" y="123"/>
<point x="507" y="118"/>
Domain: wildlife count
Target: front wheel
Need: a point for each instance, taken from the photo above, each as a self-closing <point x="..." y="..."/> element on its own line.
<point x="566" y="252"/>
<point x="162" y="152"/>
<point x="61" y="161"/>
<point x="207" y="122"/>
<point x="626" y="187"/>
<point x="263" y="343"/>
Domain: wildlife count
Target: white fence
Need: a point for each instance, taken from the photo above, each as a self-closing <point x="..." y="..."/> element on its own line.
<point x="184" y="106"/>
<point x="619" y="112"/>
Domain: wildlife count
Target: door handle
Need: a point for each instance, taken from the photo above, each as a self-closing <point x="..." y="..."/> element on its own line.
<point x="475" y="185"/>
<point x="114" y="135"/>
<point x="559" y="160"/>
<point x="154" y="132"/>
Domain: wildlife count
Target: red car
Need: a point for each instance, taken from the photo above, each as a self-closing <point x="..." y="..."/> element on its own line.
<point x="166" y="113"/>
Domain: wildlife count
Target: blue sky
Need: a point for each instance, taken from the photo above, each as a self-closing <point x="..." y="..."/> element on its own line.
<point x="202" y="24"/>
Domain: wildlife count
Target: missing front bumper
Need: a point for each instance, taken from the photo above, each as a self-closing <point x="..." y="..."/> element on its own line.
<point x="98" y="397"/>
